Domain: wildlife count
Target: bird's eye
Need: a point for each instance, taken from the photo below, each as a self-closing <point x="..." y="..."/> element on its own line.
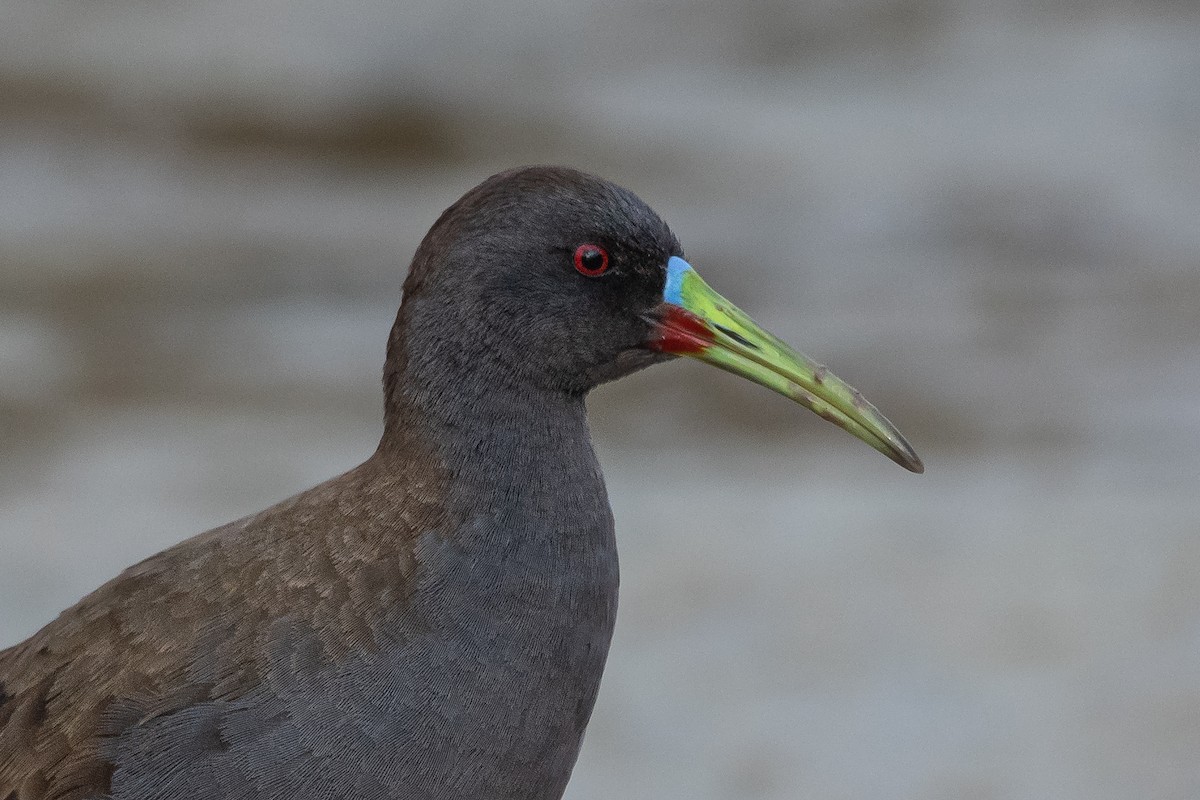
<point x="591" y="260"/>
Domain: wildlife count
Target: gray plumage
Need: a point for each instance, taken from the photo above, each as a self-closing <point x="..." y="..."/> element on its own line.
<point x="432" y="624"/>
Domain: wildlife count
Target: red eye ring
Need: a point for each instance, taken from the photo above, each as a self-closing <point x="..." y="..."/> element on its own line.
<point x="591" y="260"/>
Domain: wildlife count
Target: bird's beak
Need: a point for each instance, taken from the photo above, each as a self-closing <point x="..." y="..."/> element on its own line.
<point x="693" y="320"/>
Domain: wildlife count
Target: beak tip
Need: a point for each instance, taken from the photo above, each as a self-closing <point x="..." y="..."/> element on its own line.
<point x="910" y="461"/>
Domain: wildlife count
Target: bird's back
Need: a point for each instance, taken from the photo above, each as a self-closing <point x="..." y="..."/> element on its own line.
<point x="190" y="626"/>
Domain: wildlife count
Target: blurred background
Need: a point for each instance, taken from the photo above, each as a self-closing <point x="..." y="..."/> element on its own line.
<point x="983" y="213"/>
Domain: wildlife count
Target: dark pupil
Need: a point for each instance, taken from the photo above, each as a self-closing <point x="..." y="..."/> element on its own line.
<point x="592" y="260"/>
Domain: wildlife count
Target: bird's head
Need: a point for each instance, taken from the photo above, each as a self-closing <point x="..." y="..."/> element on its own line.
<point x="557" y="279"/>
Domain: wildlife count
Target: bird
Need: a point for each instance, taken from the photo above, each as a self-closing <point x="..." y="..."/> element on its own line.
<point x="433" y="623"/>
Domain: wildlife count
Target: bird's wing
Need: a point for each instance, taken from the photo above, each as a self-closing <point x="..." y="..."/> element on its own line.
<point x="122" y="641"/>
<point x="194" y="625"/>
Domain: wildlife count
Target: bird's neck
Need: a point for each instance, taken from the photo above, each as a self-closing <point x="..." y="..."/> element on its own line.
<point x="504" y="440"/>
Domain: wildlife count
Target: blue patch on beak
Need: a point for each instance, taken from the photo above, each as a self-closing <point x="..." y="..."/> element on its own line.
<point x="673" y="291"/>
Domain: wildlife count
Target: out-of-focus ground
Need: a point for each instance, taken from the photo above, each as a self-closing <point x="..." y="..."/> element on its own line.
<point x="984" y="214"/>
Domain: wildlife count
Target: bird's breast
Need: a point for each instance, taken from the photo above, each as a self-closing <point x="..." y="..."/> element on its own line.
<point x="498" y="653"/>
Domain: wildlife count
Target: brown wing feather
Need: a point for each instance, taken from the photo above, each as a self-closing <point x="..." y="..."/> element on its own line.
<point x="189" y="624"/>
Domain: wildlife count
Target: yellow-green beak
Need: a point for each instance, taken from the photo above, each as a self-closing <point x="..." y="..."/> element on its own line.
<point x="694" y="320"/>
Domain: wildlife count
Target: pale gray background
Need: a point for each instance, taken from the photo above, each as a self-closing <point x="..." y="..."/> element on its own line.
<point x="985" y="213"/>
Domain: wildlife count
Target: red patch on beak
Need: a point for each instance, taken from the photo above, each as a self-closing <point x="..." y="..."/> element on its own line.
<point x="680" y="332"/>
